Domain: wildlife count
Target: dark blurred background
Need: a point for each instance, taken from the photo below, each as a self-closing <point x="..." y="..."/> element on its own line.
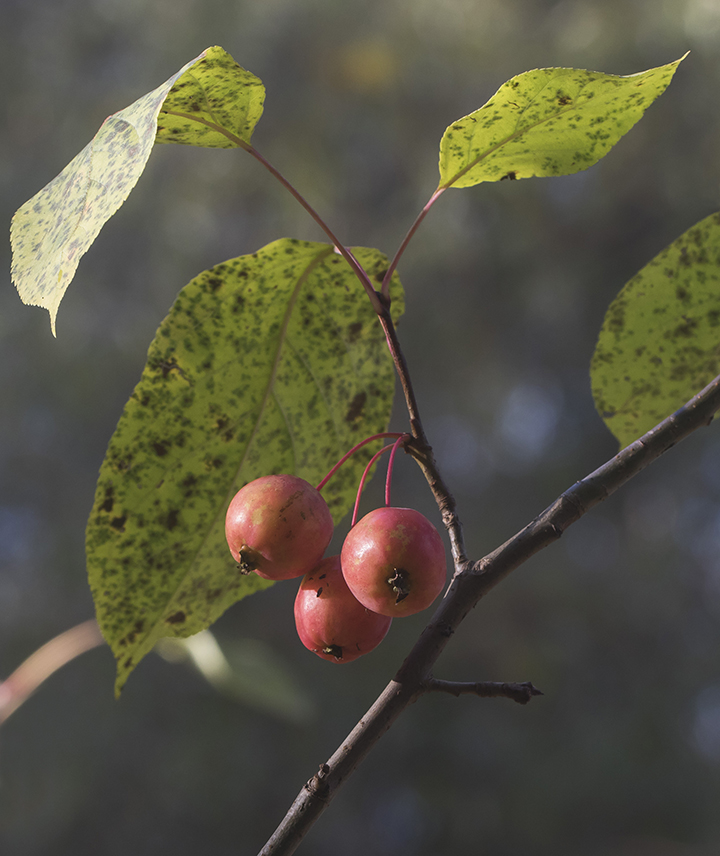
<point x="507" y="285"/>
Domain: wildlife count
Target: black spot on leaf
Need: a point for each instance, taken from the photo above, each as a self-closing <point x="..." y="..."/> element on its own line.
<point x="686" y="329"/>
<point x="188" y="484"/>
<point x="107" y="505"/>
<point x="357" y="405"/>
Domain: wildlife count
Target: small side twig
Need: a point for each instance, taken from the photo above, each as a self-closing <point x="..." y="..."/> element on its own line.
<point x="54" y="654"/>
<point x="521" y="693"/>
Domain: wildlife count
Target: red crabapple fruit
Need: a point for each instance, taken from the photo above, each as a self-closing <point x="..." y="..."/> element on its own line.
<point x="393" y="561"/>
<point x="278" y="526"/>
<point x="330" y="621"/>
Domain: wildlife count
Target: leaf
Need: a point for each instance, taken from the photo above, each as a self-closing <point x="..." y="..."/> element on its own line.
<point x="660" y="341"/>
<point x="268" y="363"/>
<point x="551" y="121"/>
<point x="215" y="104"/>
<point x="52" y="231"/>
<point x="245" y="670"/>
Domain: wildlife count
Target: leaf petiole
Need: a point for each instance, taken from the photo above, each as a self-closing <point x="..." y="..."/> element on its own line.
<point x="385" y="289"/>
<point x="339" y="246"/>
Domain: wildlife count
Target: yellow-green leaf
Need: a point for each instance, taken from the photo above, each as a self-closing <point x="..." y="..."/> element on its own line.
<point x="660" y="341"/>
<point x="52" y="231"/>
<point x="268" y="363"/>
<point x="214" y="104"/>
<point x="551" y="121"/>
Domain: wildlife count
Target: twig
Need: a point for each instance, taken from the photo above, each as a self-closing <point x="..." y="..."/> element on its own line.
<point x="470" y="584"/>
<point x="521" y="693"/>
<point x="54" y="654"/>
<point x="421" y="450"/>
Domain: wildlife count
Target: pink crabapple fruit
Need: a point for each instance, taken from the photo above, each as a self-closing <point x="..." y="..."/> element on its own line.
<point x="330" y="621"/>
<point x="393" y="561"/>
<point x="278" y="526"/>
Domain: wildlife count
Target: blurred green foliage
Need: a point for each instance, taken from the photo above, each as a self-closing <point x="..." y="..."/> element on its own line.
<point x="507" y="286"/>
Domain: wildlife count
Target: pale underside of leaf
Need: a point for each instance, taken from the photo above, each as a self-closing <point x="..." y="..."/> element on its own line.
<point x="246" y="670"/>
<point x="551" y="121"/>
<point x="267" y="363"/>
<point x="660" y="341"/>
<point x="52" y="231"/>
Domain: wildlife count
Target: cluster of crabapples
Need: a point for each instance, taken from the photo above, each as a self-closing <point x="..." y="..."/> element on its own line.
<point x="392" y="563"/>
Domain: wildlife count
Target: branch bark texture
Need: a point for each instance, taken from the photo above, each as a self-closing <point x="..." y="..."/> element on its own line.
<point x="471" y="582"/>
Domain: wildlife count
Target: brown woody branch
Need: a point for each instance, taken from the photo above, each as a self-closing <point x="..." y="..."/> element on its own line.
<point x="421" y="450"/>
<point x="471" y="582"/>
<point x="521" y="693"/>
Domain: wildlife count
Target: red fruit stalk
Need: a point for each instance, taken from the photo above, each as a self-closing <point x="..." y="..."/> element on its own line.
<point x="278" y="526"/>
<point x="354" y="449"/>
<point x="330" y="621"/>
<point x="364" y="476"/>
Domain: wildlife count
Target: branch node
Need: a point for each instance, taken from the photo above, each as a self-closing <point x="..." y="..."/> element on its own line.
<point x="384" y="301"/>
<point x="317" y="786"/>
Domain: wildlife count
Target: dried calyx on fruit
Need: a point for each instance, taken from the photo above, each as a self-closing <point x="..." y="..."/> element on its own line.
<point x="330" y="621"/>
<point x="278" y="526"/>
<point x="393" y="561"/>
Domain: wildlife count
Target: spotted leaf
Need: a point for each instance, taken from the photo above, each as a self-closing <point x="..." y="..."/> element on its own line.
<point x="551" y="121"/>
<point x="214" y="104"/>
<point x="52" y="231"/>
<point x="268" y="363"/>
<point x="660" y="341"/>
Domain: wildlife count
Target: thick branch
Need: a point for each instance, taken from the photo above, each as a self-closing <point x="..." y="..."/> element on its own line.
<point x="467" y="588"/>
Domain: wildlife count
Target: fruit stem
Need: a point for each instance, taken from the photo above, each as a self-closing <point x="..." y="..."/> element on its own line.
<point x="362" y="480"/>
<point x="354" y="449"/>
<point x="388" y="481"/>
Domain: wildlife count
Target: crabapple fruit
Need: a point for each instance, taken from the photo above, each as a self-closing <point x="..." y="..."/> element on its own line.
<point x="330" y="621"/>
<point x="393" y="561"/>
<point x="278" y="526"/>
